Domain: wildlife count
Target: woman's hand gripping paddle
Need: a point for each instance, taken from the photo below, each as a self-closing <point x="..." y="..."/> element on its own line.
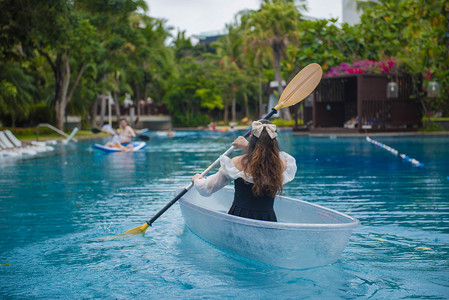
<point x="298" y="88"/>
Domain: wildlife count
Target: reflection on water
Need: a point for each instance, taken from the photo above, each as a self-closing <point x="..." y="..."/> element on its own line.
<point x="53" y="210"/>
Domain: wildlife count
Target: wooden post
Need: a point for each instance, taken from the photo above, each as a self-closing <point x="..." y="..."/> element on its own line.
<point x="359" y="102"/>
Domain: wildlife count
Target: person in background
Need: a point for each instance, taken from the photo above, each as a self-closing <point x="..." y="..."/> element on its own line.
<point x="125" y="136"/>
<point x="170" y="133"/>
<point x="212" y="126"/>
<point x="258" y="175"/>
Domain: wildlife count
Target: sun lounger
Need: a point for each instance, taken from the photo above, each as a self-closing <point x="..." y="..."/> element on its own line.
<point x="6" y="151"/>
<point x="39" y="147"/>
<point x="9" y="153"/>
<point x="13" y="147"/>
<point x="5" y="141"/>
<point x="13" y="139"/>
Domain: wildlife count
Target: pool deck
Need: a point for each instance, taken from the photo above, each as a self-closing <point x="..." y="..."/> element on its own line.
<point x="331" y="133"/>
<point x="341" y="132"/>
<point x="61" y="138"/>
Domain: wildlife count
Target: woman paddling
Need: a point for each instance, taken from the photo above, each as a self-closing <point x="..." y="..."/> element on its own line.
<point x="125" y="136"/>
<point x="258" y="175"/>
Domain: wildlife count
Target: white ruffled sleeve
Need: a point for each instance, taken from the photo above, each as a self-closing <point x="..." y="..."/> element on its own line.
<point x="290" y="171"/>
<point x="228" y="172"/>
<point x="209" y="185"/>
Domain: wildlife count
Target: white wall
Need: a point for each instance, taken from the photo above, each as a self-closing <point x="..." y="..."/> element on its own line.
<point x="350" y="13"/>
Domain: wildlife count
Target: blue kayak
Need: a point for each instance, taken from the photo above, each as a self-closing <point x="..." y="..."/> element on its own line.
<point x="137" y="146"/>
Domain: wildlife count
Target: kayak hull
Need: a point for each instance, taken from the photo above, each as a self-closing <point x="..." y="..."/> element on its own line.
<point x="137" y="146"/>
<point x="306" y="235"/>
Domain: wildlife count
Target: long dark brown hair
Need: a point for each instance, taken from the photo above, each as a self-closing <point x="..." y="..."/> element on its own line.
<point x="263" y="164"/>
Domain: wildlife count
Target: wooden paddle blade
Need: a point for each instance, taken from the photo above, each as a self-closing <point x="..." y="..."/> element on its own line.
<point x="300" y="86"/>
<point x="139" y="229"/>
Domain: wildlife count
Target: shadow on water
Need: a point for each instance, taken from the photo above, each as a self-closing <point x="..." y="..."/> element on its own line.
<point x="236" y="272"/>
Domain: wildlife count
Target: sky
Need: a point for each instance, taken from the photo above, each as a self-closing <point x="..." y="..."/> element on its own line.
<point x="199" y="16"/>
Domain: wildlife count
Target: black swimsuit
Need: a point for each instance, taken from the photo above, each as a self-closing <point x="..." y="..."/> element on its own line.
<point x="249" y="206"/>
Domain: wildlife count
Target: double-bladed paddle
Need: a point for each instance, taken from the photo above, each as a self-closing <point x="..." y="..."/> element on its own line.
<point x="298" y="88"/>
<point x="141" y="137"/>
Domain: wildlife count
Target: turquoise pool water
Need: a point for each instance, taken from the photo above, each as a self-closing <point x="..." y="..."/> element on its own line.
<point x="53" y="210"/>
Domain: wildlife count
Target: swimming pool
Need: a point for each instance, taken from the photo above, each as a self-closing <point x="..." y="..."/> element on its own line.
<point x="54" y="209"/>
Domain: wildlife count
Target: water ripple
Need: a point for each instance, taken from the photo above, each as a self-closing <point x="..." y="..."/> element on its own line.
<point x="55" y="210"/>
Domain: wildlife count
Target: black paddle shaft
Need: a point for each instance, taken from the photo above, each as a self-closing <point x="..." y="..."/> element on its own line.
<point x="186" y="189"/>
<point x="141" y="137"/>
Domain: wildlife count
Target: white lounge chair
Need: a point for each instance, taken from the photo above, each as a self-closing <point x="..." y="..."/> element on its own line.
<point x="6" y="151"/>
<point x="18" y="143"/>
<point x="12" y="147"/>
<point x="13" y="139"/>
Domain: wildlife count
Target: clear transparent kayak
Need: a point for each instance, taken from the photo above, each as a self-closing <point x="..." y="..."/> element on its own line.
<point x="306" y="235"/>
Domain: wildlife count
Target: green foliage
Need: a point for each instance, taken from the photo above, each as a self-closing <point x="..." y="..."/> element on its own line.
<point x="285" y="123"/>
<point x="431" y="127"/>
<point x="193" y="93"/>
<point x="29" y="132"/>
<point x="40" y="113"/>
<point x="76" y="50"/>
<point x="209" y="99"/>
<point x="16" y="91"/>
<point x="440" y="119"/>
<point x="322" y="42"/>
<point x="7" y="91"/>
<point x="414" y="32"/>
<point x="274" y="25"/>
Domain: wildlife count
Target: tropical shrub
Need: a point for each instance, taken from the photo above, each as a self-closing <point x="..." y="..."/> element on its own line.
<point x="366" y="66"/>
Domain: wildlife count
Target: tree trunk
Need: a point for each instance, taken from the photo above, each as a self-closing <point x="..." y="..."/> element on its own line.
<point x="137" y="92"/>
<point x="117" y="106"/>
<point x="145" y="91"/>
<point x="137" y="98"/>
<point x="260" y="95"/>
<point x="145" y="96"/>
<point x="245" y="99"/>
<point x="13" y="120"/>
<point x="296" y="116"/>
<point x="226" y="106"/>
<point x="93" y="113"/>
<point x="190" y="114"/>
<point x="116" y="102"/>
<point x="234" y="107"/>
<point x="63" y="74"/>
<point x="59" y="114"/>
<point x="283" y="114"/>
<point x="62" y="80"/>
<point x="103" y="99"/>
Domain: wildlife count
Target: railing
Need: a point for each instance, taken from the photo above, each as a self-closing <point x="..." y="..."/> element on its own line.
<point x="69" y="137"/>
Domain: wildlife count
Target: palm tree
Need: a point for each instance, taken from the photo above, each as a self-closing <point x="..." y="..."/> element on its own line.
<point x="16" y="91"/>
<point x="274" y="25"/>
<point x="229" y="53"/>
<point x="151" y="62"/>
<point x="256" y="60"/>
